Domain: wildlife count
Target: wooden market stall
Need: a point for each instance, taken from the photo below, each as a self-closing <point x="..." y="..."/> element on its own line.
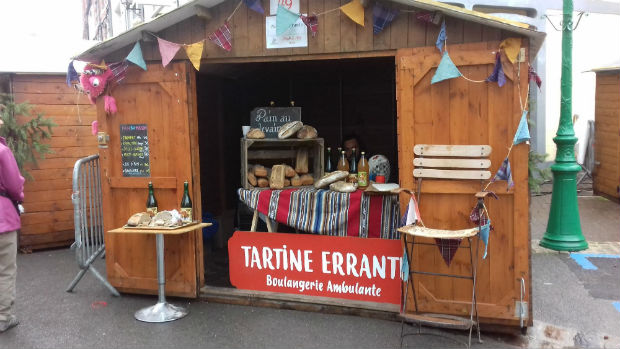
<point x="606" y="174"/>
<point x="48" y="221"/>
<point x="188" y="135"/>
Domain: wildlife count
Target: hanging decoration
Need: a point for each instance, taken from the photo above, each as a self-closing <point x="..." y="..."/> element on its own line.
<point x="485" y="231"/>
<point x="511" y="47"/>
<point x="441" y="38"/>
<point x="382" y="17"/>
<point x="523" y="132"/>
<point x="429" y="17"/>
<point x="447" y="248"/>
<point x="355" y="11"/>
<point x="94" y="81"/>
<point x="285" y="19"/>
<point x="498" y="72"/>
<point x="72" y="75"/>
<point x="222" y="37"/>
<point x="135" y="56"/>
<point x="412" y="213"/>
<point x="404" y="268"/>
<point x="533" y="76"/>
<point x="255" y="5"/>
<point x="445" y="70"/>
<point x="167" y="50"/>
<point x="194" y="53"/>
<point x="504" y="174"/>
<point x="312" y="22"/>
<point x="109" y="104"/>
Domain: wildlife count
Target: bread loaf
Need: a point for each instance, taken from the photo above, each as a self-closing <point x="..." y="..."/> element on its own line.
<point x="255" y="133"/>
<point x="307" y="179"/>
<point x="260" y="171"/>
<point x="289" y="172"/>
<point x="287" y="182"/>
<point x="307" y="132"/>
<point x="296" y="181"/>
<point x="331" y="178"/>
<point x="301" y="163"/>
<point x="343" y="187"/>
<point x="139" y="219"/>
<point x="262" y="182"/>
<point x="289" y="129"/>
<point x="276" y="180"/>
<point x="251" y="178"/>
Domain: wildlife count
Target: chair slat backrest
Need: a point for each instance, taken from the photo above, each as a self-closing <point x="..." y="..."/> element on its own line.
<point x="452" y="161"/>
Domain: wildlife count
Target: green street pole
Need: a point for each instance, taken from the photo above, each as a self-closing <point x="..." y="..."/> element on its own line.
<point x="564" y="227"/>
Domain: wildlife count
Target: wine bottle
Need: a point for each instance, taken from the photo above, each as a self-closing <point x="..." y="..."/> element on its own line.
<point x="186" y="204"/>
<point x="151" y="203"/>
<point x="328" y="161"/>
<point x="353" y="168"/>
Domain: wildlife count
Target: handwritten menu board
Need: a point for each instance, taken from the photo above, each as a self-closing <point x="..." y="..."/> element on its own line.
<point x="270" y="119"/>
<point x="135" y="151"/>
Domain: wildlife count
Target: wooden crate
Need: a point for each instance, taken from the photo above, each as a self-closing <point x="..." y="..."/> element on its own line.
<point x="269" y="152"/>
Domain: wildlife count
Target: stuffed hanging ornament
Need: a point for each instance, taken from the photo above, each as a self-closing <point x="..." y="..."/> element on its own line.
<point x="97" y="77"/>
<point x="109" y="104"/>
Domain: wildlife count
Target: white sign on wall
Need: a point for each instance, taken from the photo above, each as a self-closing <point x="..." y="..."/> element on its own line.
<point x="295" y="36"/>
<point x="292" y="5"/>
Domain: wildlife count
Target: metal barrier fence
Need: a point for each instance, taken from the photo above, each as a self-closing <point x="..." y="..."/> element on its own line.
<point x="88" y="218"/>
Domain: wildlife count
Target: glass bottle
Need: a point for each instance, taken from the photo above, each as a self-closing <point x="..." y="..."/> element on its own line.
<point x="151" y="203"/>
<point x="362" y="172"/>
<point x="353" y="168"/>
<point x="343" y="163"/>
<point x="328" y="161"/>
<point x="186" y="204"/>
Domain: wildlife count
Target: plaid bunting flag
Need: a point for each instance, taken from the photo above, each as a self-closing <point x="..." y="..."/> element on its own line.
<point x="498" y="72"/>
<point x="441" y="37"/>
<point x="425" y="17"/>
<point x="533" y="76"/>
<point x="222" y="37"/>
<point x="311" y="22"/>
<point x="504" y="174"/>
<point x="448" y="248"/>
<point x="382" y="17"/>
<point x="255" y="5"/>
<point x="119" y="71"/>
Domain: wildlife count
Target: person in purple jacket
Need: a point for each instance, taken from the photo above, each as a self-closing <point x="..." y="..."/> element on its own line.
<point x="11" y="192"/>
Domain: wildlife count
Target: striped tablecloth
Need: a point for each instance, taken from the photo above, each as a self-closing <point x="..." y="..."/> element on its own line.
<point x="328" y="212"/>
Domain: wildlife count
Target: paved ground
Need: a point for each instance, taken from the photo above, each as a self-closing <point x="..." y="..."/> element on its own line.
<point x="573" y="305"/>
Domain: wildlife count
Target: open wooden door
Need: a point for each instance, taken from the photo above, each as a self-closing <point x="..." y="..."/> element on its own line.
<point x="458" y="111"/>
<point x="163" y="99"/>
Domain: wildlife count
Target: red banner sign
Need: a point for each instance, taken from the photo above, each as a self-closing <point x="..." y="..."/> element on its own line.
<point x="317" y="265"/>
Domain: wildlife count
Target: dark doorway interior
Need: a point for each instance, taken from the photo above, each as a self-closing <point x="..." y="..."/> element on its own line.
<point x="337" y="97"/>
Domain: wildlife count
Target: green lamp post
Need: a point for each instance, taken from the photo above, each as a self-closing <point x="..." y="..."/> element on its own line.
<point x="564" y="227"/>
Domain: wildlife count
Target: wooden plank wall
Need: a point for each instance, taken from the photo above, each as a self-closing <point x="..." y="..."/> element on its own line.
<point x="48" y="220"/>
<point x="607" y="135"/>
<point x="337" y="35"/>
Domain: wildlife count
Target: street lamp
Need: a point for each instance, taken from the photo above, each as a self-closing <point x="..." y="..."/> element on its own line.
<point x="564" y="226"/>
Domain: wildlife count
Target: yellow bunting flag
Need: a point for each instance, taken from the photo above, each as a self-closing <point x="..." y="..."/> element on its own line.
<point x="194" y="53"/>
<point x="355" y="11"/>
<point x="511" y="48"/>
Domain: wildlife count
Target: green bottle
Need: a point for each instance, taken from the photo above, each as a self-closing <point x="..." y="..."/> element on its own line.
<point x="186" y="204"/>
<point x="151" y="203"/>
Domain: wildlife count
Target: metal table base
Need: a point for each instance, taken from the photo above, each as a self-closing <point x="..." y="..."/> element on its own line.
<point x="162" y="311"/>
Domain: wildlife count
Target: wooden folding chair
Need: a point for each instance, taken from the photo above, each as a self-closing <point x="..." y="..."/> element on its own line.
<point x="453" y="162"/>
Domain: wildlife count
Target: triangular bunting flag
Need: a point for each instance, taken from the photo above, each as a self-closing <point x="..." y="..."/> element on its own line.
<point x="135" y="56"/>
<point x="532" y="75"/>
<point x="355" y="11"/>
<point x="222" y="37"/>
<point x="523" y="132"/>
<point x="255" y="5"/>
<point x="441" y="37"/>
<point x="445" y="70"/>
<point x="311" y="22"/>
<point x="498" y="73"/>
<point x="72" y="75"/>
<point x="119" y="71"/>
<point x="504" y="174"/>
<point x="511" y="47"/>
<point x="194" y="53"/>
<point x="167" y="50"/>
<point x="285" y="19"/>
<point x="404" y="267"/>
<point x="382" y="17"/>
<point x="448" y="248"/>
<point x="485" y="231"/>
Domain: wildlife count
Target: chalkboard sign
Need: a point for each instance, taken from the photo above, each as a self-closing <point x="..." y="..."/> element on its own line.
<point x="135" y="151"/>
<point x="270" y="119"/>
